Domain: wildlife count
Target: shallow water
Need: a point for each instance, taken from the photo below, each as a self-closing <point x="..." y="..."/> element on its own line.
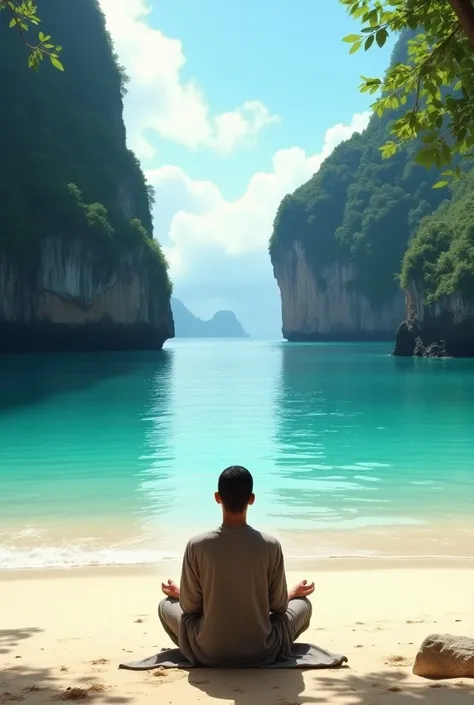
<point x="113" y="458"/>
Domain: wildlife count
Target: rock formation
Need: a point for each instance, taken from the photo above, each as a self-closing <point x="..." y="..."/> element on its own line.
<point x="441" y="329"/>
<point x="79" y="268"/>
<point x="438" y="276"/>
<point x="444" y="656"/>
<point x="339" y="240"/>
<point x="224" y="324"/>
<point x="327" y="307"/>
<point x="70" y="300"/>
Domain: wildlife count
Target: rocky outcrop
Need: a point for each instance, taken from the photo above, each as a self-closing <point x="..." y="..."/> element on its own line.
<point x="442" y="329"/>
<point x="445" y="656"/>
<point x="326" y="305"/>
<point x="224" y="324"/>
<point x="72" y="298"/>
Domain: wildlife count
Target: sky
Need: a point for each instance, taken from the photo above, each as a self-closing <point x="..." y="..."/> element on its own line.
<point x="231" y="105"/>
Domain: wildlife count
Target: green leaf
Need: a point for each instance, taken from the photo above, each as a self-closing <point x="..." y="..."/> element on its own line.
<point x="352" y="38"/>
<point x="357" y="12"/>
<point x="425" y="157"/>
<point x="381" y="37"/>
<point x="355" y="47"/>
<point x="56" y="63"/>
<point x="446" y="152"/>
<point x="441" y="184"/>
<point x="368" y="42"/>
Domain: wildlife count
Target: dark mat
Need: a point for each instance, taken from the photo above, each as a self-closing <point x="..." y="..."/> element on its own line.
<point x="302" y="656"/>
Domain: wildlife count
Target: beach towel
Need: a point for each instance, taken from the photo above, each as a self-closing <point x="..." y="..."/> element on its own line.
<point x="300" y="656"/>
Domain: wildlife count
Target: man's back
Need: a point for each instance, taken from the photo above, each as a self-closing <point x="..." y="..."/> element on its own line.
<point x="233" y="607"/>
<point x="232" y="579"/>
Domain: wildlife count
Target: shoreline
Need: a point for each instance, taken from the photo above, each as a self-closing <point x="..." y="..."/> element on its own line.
<point x="82" y="547"/>
<point x="173" y="567"/>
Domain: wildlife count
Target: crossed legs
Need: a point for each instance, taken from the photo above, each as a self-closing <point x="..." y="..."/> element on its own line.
<point x="298" y="616"/>
<point x="169" y="613"/>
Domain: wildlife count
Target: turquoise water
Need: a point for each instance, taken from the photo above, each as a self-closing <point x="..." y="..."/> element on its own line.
<point x="113" y="458"/>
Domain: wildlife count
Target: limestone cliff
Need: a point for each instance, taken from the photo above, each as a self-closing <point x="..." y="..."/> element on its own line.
<point x="327" y="307"/>
<point x="338" y="241"/>
<point x="71" y="300"/>
<point x="79" y="268"/>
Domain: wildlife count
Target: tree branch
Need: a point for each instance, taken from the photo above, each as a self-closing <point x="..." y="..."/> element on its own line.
<point x="465" y="13"/>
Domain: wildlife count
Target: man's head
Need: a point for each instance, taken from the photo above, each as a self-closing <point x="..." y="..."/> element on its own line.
<point x="235" y="489"/>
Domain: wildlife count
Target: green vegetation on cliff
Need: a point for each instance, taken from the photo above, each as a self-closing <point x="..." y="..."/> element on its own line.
<point x="371" y="212"/>
<point x="360" y="209"/>
<point x="64" y="167"/>
<point x="441" y="256"/>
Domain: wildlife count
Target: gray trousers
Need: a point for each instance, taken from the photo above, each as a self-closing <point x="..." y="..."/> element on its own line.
<point x="298" y="616"/>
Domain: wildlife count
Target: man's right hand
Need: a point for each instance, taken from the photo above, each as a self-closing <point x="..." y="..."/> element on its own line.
<point x="170" y="589"/>
<point x="301" y="589"/>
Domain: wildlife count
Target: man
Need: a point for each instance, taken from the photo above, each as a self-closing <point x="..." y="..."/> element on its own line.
<point x="232" y="608"/>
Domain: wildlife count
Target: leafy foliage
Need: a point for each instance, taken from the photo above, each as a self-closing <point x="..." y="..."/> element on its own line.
<point x="433" y="85"/>
<point x="441" y="256"/>
<point x="360" y="209"/>
<point x="22" y="15"/>
<point x="64" y="166"/>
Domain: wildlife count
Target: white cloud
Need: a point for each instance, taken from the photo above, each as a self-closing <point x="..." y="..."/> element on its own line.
<point x="218" y="248"/>
<point x="206" y="220"/>
<point x="160" y="100"/>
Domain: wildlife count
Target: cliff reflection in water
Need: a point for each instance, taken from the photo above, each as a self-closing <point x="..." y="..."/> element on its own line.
<point x="84" y="435"/>
<point x="341" y="436"/>
<point x="156" y="486"/>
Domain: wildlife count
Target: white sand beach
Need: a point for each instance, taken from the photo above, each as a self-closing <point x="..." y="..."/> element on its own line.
<point x="63" y="634"/>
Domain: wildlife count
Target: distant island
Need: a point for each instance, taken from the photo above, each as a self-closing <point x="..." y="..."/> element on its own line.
<point x="224" y="324"/>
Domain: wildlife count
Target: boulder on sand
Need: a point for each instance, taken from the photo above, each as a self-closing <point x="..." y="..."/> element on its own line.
<point x="445" y="656"/>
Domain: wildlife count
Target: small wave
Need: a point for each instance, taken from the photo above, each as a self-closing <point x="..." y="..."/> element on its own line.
<point x="330" y="553"/>
<point x="78" y="557"/>
<point x="43" y="557"/>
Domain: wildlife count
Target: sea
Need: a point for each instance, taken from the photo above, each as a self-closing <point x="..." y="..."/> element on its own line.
<point x="113" y="459"/>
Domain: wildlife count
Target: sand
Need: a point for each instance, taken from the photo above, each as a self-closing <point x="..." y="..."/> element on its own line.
<point x="63" y="633"/>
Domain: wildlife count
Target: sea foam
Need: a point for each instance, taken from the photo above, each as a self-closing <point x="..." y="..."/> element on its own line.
<point x="76" y="557"/>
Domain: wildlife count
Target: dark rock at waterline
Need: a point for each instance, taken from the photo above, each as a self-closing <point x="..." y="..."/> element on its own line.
<point x="433" y="350"/>
<point x="435" y="338"/>
<point x="405" y="340"/>
<point x="45" y="337"/>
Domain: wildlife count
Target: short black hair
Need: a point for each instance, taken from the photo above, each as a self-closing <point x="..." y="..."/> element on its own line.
<point x="235" y="487"/>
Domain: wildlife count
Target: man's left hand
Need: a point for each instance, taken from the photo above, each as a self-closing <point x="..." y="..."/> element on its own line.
<point x="170" y="589"/>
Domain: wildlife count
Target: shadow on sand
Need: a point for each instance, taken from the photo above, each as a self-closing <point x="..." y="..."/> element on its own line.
<point x="337" y="687"/>
<point x="19" y="681"/>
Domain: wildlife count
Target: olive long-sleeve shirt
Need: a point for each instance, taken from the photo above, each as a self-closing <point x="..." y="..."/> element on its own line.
<point x="233" y="589"/>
